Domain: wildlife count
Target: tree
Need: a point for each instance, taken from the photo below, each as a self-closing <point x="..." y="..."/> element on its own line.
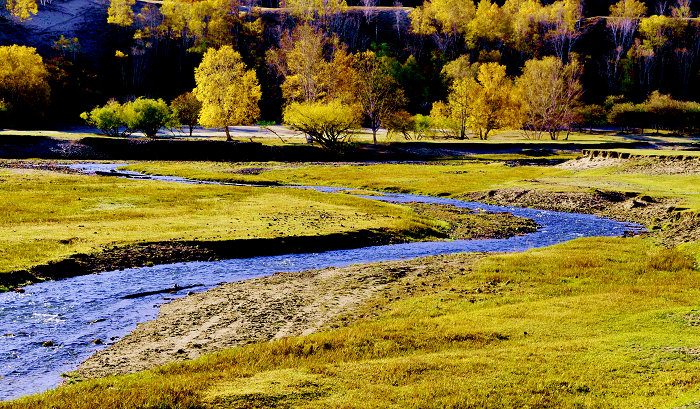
<point x="23" y="82"/>
<point x="111" y="119"/>
<point x="563" y="26"/>
<point x="622" y="24"/>
<point x="445" y="20"/>
<point x="379" y="94"/>
<point x="482" y="104"/>
<point x="328" y="124"/>
<point x="524" y="20"/>
<point x="187" y="108"/>
<point x="411" y="127"/>
<point x="310" y="9"/>
<point x="22" y="10"/>
<point x="148" y="116"/>
<point x="229" y="92"/>
<point x="120" y="13"/>
<point x="550" y="94"/>
<point x="313" y="67"/>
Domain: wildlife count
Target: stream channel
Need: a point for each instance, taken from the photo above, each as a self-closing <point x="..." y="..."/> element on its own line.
<point x="74" y="312"/>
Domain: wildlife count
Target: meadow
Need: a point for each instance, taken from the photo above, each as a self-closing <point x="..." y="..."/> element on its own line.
<point x="595" y="322"/>
<point x="48" y="216"/>
<point x="448" y="178"/>
<point x="555" y="327"/>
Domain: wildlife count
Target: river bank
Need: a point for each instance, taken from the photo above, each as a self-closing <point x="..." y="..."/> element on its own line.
<point x="550" y="327"/>
<point x="268" y="308"/>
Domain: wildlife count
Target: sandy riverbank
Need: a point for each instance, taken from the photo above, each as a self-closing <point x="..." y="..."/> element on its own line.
<point x="262" y="309"/>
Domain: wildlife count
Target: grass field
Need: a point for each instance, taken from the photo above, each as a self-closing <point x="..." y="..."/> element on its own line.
<point x="594" y="323"/>
<point x="557" y="327"/>
<point x="440" y="179"/>
<point x="48" y="216"/>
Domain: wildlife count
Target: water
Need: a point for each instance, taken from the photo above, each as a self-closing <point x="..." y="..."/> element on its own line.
<point x="73" y="313"/>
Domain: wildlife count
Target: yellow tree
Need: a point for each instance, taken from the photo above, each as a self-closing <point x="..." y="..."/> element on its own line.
<point x="313" y="67"/>
<point x="562" y="21"/>
<point x="228" y="91"/>
<point x="309" y="9"/>
<point x="23" y="81"/>
<point x="657" y="33"/>
<point x="488" y="23"/>
<point x="22" y="9"/>
<point x="119" y="12"/>
<point x="485" y="103"/>
<point x="523" y="18"/>
<point x="550" y="94"/>
<point x="445" y="20"/>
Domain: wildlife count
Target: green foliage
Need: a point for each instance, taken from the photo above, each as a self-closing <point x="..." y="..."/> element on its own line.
<point x="591" y="115"/>
<point x="112" y="119"/>
<point x="149" y="116"/>
<point x="187" y="109"/>
<point x="659" y="111"/>
<point x="328" y="124"/>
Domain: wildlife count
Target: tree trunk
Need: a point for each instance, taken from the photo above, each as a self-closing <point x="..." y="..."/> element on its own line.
<point x="228" y="135"/>
<point x="374" y="135"/>
<point x="191" y="130"/>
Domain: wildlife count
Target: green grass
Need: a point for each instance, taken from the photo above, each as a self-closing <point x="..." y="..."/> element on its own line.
<point x="49" y="216"/>
<point x="655" y="153"/>
<point x="440" y="179"/>
<point x="560" y="327"/>
<point x="451" y="178"/>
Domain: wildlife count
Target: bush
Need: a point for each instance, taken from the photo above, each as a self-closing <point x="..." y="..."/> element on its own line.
<point x="121" y="120"/>
<point x="410" y="127"/>
<point x="588" y="116"/>
<point x="110" y="119"/>
<point x="149" y="116"/>
<point x="659" y="111"/>
<point x="400" y="122"/>
<point x="328" y="124"/>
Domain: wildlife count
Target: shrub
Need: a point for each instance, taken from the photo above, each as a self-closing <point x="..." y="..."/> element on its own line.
<point x="659" y="111"/>
<point x="149" y="116"/>
<point x="110" y="119"/>
<point x="328" y="124"/>
<point x="410" y="127"/>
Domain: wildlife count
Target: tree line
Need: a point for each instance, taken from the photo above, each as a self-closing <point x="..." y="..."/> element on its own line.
<point x="462" y="69"/>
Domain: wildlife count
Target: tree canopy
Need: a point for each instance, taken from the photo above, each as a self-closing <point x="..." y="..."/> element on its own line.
<point x="229" y="92"/>
<point x="23" y="82"/>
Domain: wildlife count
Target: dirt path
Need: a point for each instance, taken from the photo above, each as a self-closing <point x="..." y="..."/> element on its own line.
<point x="262" y="309"/>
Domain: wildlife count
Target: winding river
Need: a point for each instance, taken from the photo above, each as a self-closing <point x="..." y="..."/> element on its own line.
<point x="75" y="312"/>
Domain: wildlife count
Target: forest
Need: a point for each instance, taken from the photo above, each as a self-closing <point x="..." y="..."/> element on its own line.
<point x="446" y="67"/>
